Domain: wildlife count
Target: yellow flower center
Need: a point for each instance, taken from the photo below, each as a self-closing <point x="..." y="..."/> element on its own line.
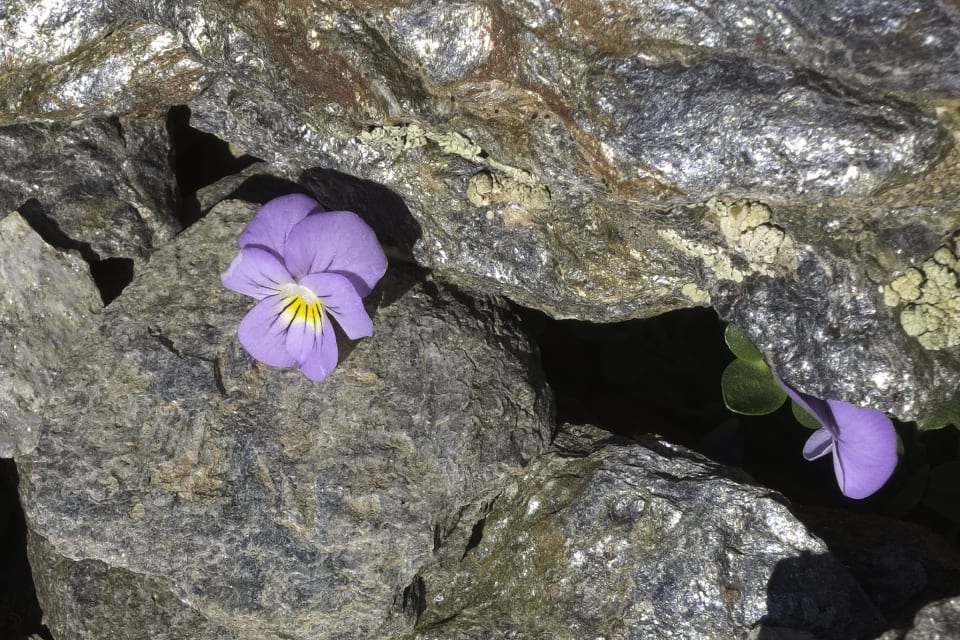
<point x="300" y="304"/>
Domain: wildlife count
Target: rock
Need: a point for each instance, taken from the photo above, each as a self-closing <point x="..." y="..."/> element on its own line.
<point x="936" y="621"/>
<point x="48" y="302"/>
<point x="579" y="159"/>
<point x="635" y="541"/>
<point x="182" y="490"/>
<point x="899" y="565"/>
<point x="103" y="186"/>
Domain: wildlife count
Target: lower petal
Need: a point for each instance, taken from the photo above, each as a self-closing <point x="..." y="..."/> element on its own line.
<point x="263" y="333"/>
<point x="321" y="359"/>
<point x="865" y="453"/>
<point x="341" y="300"/>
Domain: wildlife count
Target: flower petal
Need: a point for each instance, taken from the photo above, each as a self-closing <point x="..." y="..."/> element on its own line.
<point x="340" y="299"/>
<point x="321" y="359"/>
<point x="338" y="242"/>
<point x="819" y="444"/>
<point x="273" y="222"/>
<point x="865" y="453"/>
<point x="263" y="333"/>
<point x="256" y="272"/>
<point x="816" y="407"/>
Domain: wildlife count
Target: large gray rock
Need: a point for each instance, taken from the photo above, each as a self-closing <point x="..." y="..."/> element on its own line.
<point x="104" y="186"/>
<point x="635" y="541"/>
<point x="48" y="302"/>
<point x="182" y="490"/>
<point x="584" y="159"/>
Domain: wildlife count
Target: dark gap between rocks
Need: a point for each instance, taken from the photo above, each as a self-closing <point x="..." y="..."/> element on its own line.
<point x="20" y="614"/>
<point x="661" y="376"/>
<point x="199" y="160"/>
<point x="110" y="275"/>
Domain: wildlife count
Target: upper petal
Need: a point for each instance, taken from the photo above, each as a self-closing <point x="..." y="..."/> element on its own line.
<point x="273" y="222"/>
<point x="263" y="333"/>
<point x="819" y="444"/>
<point x="338" y="242"/>
<point x="816" y="407"/>
<point x="341" y="300"/>
<point x="256" y="272"/>
<point x="865" y="452"/>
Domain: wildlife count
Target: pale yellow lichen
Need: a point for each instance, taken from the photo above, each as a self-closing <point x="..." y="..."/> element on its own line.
<point x="713" y="258"/>
<point x="930" y="294"/>
<point x="486" y="188"/>
<point x="692" y="292"/>
<point x="748" y="235"/>
<point x="748" y="231"/>
<point x="502" y="183"/>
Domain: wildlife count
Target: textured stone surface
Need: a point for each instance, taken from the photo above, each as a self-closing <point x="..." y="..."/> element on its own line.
<point x="104" y="186"/>
<point x="565" y="155"/>
<point x="48" y="302"/>
<point x="936" y="621"/>
<point x="635" y="541"/>
<point x="182" y="490"/>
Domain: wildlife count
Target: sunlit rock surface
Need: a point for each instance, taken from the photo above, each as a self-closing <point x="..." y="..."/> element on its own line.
<point x="49" y="301"/>
<point x="104" y="186"/>
<point x="193" y="492"/>
<point x="565" y="154"/>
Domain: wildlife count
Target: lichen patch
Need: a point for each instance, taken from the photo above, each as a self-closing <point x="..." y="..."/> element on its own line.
<point x="930" y="296"/>
<point x="751" y="243"/>
<point x="499" y="182"/>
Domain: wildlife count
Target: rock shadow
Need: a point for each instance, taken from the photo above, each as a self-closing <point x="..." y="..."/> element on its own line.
<point x="110" y="275"/>
<point x="381" y="208"/>
<point x="20" y="614"/>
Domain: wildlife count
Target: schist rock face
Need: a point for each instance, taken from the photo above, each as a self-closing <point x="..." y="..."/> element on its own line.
<point x="586" y="159"/>
<point x="176" y="473"/>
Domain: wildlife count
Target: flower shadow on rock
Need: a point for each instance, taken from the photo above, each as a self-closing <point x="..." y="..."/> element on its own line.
<point x="381" y="208"/>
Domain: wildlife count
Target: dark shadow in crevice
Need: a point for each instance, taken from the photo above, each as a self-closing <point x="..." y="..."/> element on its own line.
<point x="199" y="160"/>
<point x="20" y="614"/>
<point x="381" y="208"/>
<point x="110" y="275"/>
<point x="260" y="189"/>
<point x="814" y="593"/>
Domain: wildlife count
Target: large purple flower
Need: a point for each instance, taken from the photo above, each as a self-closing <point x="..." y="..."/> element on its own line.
<point x="304" y="264"/>
<point x="863" y="442"/>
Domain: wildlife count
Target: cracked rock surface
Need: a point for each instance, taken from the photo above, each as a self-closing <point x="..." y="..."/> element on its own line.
<point x="104" y="186"/>
<point x="48" y="302"/>
<point x="199" y="493"/>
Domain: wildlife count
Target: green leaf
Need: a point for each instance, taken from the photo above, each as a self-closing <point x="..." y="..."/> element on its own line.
<point x="803" y="416"/>
<point x="944" y="414"/>
<point x="749" y="388"/>
<point x="741" y="345"/>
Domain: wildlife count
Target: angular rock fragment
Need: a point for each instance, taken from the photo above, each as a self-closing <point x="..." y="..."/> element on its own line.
<point x="189" y="491"/>
<point x="49" y="301"/>
<point x="103" y="186"/>
<point x="636" y="541"/>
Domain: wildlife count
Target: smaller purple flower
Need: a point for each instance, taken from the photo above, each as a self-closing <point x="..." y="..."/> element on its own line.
<point x="304" y="265"/>
<point x="863" y="442"/>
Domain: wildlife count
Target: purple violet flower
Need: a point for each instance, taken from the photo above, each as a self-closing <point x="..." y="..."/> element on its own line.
<point x="863" y="442"/>
<point x="304" y="264"/>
